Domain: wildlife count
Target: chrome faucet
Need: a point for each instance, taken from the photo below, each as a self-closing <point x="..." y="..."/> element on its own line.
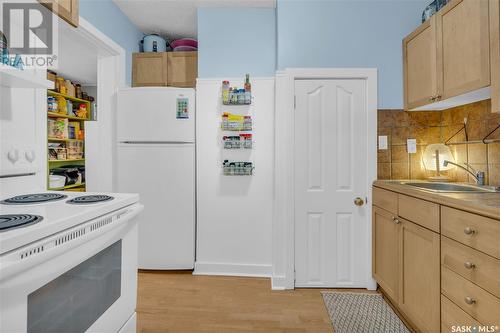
<point x="478" y="175"/>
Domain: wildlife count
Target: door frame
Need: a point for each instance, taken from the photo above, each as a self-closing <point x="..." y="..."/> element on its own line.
<point x="283" y="275"/>
<point x="111" y="67"/>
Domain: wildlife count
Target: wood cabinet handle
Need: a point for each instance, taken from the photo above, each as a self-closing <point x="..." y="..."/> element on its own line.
<point x="469" y="265"/>
<point x="396" y="220"/>
<point x="469" y="300"/>
<point x="469" y="231"/>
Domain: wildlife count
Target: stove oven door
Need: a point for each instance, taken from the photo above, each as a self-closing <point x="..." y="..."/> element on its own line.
<point x="81" y="280"/>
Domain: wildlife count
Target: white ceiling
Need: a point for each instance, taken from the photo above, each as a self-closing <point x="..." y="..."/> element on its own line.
<point x="176" y="18"/>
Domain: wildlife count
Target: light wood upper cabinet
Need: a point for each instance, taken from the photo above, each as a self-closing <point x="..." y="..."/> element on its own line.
<point x="419" y="285"/>
<point x="463" y="47"/>
<point x="68" y="10"/>
<point x="495" y="54"/>
<point x="420" y="71"/>
<point x="174" y="69"/>
<point x="454" y="57"/>
<point x="386" y="252"/>
<point x="149" y="69"/>
<point x="182" y="69"/>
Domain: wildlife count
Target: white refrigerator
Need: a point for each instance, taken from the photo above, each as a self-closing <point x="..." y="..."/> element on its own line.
<point x="156" y="158"/>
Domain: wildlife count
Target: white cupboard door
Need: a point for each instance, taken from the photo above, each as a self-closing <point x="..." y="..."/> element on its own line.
<point x="330" y="173"/>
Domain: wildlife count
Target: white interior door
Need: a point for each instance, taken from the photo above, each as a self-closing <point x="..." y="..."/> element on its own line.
<point x="330" y="173"/>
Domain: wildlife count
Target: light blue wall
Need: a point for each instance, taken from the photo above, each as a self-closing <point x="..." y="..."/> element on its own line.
<point x="108" y="18"/>
<point x="349" y="33"/>
<point x="235" y="41"/>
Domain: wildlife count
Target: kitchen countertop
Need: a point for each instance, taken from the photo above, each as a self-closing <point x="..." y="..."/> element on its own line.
<point x="486" y="204"/>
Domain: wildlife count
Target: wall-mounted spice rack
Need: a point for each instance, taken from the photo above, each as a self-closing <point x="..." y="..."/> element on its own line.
<point x="237" y="168"/>
<point x="232" y="122"/>
<point x="242" y="141"/>
<point x="236" y="96"/>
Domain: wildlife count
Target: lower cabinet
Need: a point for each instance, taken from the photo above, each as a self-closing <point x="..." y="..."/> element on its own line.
<point x="385" y="253"/>
<point x="419" y="285"/>
<point x="406" y="265"/>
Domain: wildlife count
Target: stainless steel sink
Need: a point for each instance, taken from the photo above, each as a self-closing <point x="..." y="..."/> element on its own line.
<point x="451" y="187"/>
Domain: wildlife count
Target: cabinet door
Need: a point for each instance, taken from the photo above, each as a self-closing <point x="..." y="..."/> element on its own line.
<point x="419" y="65"/>
<point x="495" y="54"/>
<point x="463" y="47"/>
<point x="149" y="69"/>
<point x="182" y="69"/>
<point x="65" y="9"/>
<point x="385" y="251"/>
<point x="419" y="284"/>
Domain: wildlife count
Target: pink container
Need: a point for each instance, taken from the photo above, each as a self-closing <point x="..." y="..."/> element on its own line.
<point x="184" y="42"/>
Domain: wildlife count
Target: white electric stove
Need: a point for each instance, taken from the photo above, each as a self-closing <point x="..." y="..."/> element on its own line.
<point x="68" y="262"/>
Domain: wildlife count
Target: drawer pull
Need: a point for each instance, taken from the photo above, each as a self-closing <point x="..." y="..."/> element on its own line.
<point x="396" y="220"/>
<point x="470" y="300"/>
<point x="469" y="231"/>
<point x="469" y="265"/>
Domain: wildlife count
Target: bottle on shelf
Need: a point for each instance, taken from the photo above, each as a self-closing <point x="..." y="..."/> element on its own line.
<point x="225" y="92"/>
<point x="248" y="89"/>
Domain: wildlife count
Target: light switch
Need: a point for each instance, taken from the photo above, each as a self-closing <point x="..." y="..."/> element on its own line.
<point x="411" y="146"/>
<point x="382" y="142"/>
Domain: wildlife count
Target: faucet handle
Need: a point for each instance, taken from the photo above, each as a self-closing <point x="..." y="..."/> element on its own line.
<point x="480" y="177"/>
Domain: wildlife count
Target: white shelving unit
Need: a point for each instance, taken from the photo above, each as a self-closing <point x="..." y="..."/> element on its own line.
<point x="15" y="78"/>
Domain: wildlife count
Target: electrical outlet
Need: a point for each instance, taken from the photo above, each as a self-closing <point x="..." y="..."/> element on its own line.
<point x="382" y="142"/>
<point x="411" y="146"/>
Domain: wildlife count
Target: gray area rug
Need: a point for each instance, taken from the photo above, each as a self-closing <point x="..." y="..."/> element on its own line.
<point x="360" y="313"/>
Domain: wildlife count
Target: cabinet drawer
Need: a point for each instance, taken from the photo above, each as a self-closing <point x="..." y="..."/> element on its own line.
<point x="484" y="306"/>
<point x="421" y="212"/>
<point x="476" y="231"/>
<point x="473" y="265"/>
<point x="385" y="199"/>
<point x="453" y="316"/>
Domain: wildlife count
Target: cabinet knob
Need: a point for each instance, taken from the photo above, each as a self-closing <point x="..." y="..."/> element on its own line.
<point x="396" y="220"/>
<point x="469" y="231"/>
<point x="469" y="265"/>
<point x="469" y="300"/>
<point x="359" y="202"/>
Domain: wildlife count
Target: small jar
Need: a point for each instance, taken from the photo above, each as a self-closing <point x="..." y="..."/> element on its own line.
<point x="78" y="91"/>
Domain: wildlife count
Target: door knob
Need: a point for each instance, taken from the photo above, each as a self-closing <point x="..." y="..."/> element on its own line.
<point x="359" y="202"/>
<point x="469" y="231"/>
<point x="469" y="300"/>
<point x="469" y="265"/>
<point x="396" y="220"/>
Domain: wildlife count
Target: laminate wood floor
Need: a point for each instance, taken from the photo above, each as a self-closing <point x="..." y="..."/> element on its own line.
<point x="180" y="302"/>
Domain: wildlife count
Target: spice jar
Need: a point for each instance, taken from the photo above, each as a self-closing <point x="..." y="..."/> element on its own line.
<point x="59" y="84"/>
<point x="78" y="91"/>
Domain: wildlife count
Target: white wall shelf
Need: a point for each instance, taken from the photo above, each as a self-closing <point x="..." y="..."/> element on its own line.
<point x="16" y="78"/>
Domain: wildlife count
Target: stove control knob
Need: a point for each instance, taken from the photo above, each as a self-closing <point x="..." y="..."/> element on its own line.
<point x="30" y="155"/>
<point x="13" y="156"/>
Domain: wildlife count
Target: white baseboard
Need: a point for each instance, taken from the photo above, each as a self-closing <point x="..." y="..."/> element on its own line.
<point x="250" y="270"/>
<point x="280" y="283"/>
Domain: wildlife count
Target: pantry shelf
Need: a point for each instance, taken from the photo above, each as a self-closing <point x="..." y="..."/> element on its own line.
<point x="73" y="99"/>
<point x="64" y="140"/>
<point x="67" y="161"/>
<point x="16" y="78"/>
<point x="67" y="187"/>
<point x="60" y="115"/>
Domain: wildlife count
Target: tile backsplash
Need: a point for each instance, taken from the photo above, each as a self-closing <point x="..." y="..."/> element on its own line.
<point x="436" y="127"/>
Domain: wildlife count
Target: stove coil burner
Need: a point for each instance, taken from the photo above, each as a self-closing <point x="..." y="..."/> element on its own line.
<point x="89" y="199"/>
<point x="12" y="221"/>
<point x="28" y="199"/>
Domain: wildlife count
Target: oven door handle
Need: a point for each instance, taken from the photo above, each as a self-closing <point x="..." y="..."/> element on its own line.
<point x="13" y="264"/>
